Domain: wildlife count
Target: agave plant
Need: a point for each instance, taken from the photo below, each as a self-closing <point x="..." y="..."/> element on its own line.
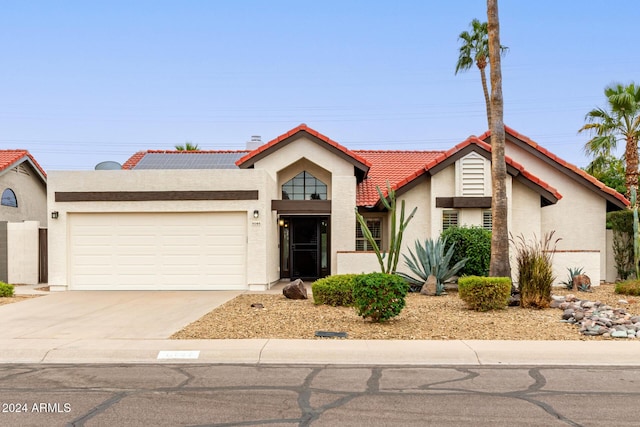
<point x="573" y="272"/>
<point x="430" y="259"/>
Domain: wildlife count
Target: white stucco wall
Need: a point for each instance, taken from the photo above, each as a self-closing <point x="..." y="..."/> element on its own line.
<point x="30" y="192"/>
<point x="23" y="252"/>
<point x="304" y="154"/>
<point x="261" y="238"/>
<point x="352" y="262"/>
<point x="578" y="218"/>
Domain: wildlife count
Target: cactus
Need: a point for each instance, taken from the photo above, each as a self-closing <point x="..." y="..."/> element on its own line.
<point x="395" y="245"/>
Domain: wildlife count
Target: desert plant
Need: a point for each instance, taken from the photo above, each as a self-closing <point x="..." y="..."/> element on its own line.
<point x="535" y="272"/>
<point x="628" y="287"/>
<point x="334" y="290"/>
<point x="389" y="202"/>
<point x="430" y="259"/>
<point x="6" y="290"/>
<point x="473" y="243"/>
<point x="379" y="296"/>
<point x="621" y="223"/>
<point x="484" y="293"/>
<point x="573" y="272"/>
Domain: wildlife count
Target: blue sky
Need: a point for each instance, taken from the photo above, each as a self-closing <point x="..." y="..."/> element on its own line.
<point x="86" y="81"/>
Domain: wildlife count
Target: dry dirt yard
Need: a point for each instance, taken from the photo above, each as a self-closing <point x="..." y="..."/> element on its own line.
<point x="16" y="298"/>
<point x="423" y="318"/>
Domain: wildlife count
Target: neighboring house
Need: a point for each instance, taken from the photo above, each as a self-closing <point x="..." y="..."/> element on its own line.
<point x="247" y="219"/>
<point x="23" y="211"/>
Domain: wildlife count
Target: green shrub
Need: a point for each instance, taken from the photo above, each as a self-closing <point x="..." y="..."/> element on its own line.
<point x="535" y="271"/>
<point x="630" y="287"/>
<point x="6" y="290"/>
<point x="379" y="296"/>
<point x="473" y="243"/>
<point x="334" y="290"/>
<point x="430" y="259"/>
<point x="485" y="293"/>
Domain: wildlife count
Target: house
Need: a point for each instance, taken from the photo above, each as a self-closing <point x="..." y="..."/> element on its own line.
<point x="286" y="209"/>
<point x="23" y="218"/>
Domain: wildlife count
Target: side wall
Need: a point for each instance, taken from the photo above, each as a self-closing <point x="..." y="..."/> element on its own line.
<point x="23" y="252"/>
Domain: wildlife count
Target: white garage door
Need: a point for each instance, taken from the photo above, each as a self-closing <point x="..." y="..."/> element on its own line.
<point x="158" y="251"/>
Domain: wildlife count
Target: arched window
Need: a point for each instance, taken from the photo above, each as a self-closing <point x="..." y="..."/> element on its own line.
<point x="304" y="186"/>
<point x="9" y="198"/>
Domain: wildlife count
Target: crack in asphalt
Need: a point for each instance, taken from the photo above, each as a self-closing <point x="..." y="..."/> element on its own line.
<point x="305" y="391"/>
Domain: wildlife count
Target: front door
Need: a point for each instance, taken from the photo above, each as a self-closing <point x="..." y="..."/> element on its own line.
<point x="304" y="252"/>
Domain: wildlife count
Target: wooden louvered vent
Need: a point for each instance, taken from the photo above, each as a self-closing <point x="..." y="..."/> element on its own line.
<point x="473" y="176"/>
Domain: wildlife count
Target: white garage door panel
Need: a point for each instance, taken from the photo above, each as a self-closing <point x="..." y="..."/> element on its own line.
<point x="165" y="251"/>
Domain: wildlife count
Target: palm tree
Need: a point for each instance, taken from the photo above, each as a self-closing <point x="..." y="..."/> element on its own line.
<point x="475" y="50"/>
<point x="620" y="122"/>
<point x="187" y="146"/>
<point x="499" y="265"/>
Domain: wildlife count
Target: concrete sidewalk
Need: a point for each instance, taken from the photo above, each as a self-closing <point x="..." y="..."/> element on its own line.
<point x="133" y="327"/>
<point x="334" y="352"/>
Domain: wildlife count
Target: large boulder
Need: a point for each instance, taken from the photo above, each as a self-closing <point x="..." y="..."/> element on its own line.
<point x="295" y="290"/>
<point x="429" y="287"/>
<point x="581" y="282"/>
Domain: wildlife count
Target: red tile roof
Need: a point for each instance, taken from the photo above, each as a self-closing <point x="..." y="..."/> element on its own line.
<point x="472" y="140"/>
<point x="10" y="158"/>
<point x="402" y="167"/>
<point x="301" y="128"/>
<point x="397" y="167"/>
<point x="563" y="163"/>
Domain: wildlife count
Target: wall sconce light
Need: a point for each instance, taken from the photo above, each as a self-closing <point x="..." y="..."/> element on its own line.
<point x="54" y="215"/>
<point x="281" y="223"/>
<point x="256" y="214"/>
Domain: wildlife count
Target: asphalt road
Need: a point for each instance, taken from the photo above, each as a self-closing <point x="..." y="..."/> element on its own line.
<point x="241" y="395"/>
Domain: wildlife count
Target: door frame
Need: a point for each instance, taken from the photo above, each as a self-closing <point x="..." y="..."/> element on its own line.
<point x="286" y="258"/>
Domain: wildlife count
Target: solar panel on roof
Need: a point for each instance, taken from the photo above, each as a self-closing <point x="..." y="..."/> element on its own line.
<point x="189" y="161"/>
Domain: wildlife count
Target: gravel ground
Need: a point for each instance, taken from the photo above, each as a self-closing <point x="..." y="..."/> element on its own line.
<point x="16" y="298"/>
<point x="423" y="318"/>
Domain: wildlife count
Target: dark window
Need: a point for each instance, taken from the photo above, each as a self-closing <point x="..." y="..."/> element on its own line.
<point x="375" y="226"/>
<point x="9" y="198"/>
<point x="304" y="186"/>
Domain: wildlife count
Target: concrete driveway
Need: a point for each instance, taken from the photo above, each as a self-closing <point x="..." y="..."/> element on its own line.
<point x="108" y="314"/>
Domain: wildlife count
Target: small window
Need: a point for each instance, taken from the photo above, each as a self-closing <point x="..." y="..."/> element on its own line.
<point x="487" y="220"/>
<point x="9" y="198"/>
<point x="449" y="219"/>
<point x="304" y="186"/>
<point x="375" y="226"/>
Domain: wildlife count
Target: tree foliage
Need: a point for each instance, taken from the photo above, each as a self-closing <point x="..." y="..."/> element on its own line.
<point x="187" y="146"/>
<point x="619" y="121"/>
<point x="474" y="49"/>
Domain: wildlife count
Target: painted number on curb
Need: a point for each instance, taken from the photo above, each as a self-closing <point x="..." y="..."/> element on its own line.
<point x="178" y="354"/>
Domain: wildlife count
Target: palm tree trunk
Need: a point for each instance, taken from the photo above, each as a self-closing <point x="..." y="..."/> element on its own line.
<point x="499" y="265"/>
<point x="631" y="157"/>
<point x="487" y="99"/>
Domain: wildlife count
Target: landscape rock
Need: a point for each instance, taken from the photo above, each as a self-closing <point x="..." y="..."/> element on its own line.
<point x="295" y="290"/>
<point x="429" y="287"/>
<point x="594" y="318"/>
<point x="581" y="282"/>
